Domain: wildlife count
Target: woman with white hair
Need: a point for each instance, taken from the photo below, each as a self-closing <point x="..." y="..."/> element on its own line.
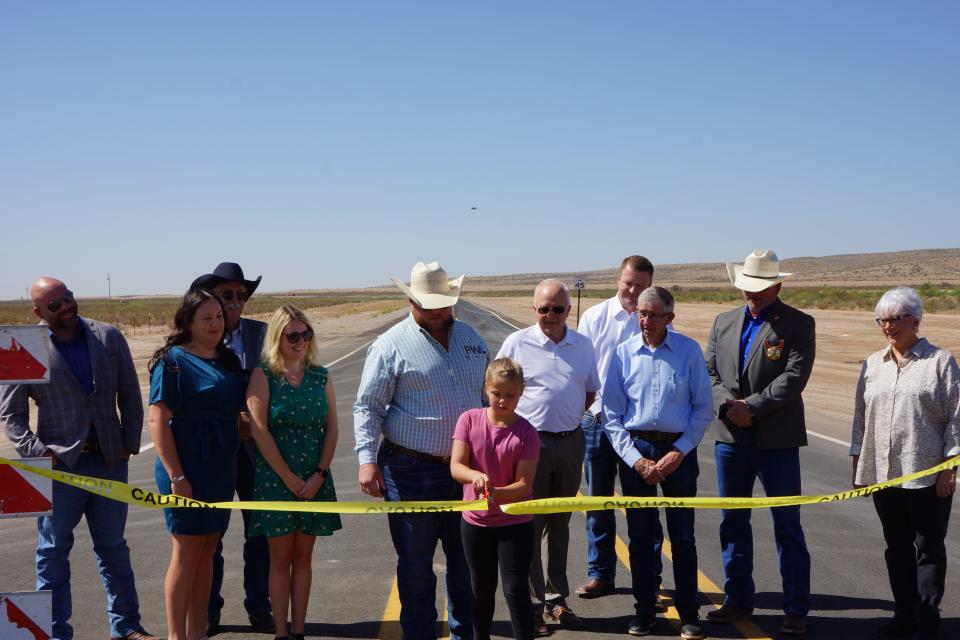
<point x="907" y="419"/>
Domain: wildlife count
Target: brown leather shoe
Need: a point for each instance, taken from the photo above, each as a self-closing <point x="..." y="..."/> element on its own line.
<point x="595" y="588"/>
<point x="564" y="615"/>
<point x="728" y="614"/>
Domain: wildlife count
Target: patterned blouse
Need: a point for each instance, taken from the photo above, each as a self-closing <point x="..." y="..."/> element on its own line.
<point x="907" y="414"/>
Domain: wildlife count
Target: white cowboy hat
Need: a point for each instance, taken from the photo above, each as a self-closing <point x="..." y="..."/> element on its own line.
<point x="429" y="286"/>
<point x="760" y="269"/>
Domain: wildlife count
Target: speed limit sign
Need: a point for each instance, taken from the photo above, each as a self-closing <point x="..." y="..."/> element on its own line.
<point x="579" y="282"/>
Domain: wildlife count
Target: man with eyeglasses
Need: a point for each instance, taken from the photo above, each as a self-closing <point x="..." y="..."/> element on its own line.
<point x="561" y="382"/>
<point x="92" y="377"/>
<point x="244" y="336"/>
<point x="760" y="357"/>
<point x="418" y="378"/>
<point x="607" y="325"/>
<point x="657" y="405"/>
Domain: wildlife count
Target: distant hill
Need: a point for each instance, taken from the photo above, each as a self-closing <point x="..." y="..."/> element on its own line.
<point x="898" y="267"/>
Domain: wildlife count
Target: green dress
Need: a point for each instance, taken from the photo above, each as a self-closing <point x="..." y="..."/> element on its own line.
<point x="297" y="419"/>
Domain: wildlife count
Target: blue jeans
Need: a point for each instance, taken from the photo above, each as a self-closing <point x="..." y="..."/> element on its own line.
<point x="106" y="520"/>
<point x="600" y="469"/>
<point x="738" y="466"/>
<point x="642" y="525"/>
<point x="415" y="539"/>
<point x="256" y="554"/>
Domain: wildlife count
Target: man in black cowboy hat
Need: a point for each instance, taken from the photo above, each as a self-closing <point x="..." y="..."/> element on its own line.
<point x="245" y="338"/>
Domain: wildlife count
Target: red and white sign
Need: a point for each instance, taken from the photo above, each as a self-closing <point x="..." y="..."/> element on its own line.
<point x="24" y="494"/>
<point x="26" y="615"/>
<point x="24" y="354"/>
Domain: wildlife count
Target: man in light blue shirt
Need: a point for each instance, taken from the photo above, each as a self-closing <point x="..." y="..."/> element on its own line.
<point x="657" y="404"/>
<point x="417" y="379"/>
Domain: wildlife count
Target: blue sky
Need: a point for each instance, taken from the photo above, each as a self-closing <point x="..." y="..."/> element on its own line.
<point x="334" y="144"/>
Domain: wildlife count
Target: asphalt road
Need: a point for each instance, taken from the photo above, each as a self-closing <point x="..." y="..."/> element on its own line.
<point x="354" y="595"/>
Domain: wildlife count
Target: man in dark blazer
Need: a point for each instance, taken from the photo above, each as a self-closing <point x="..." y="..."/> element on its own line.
<point x="245" y="338"/>
<point x="92" y="376"/>
<point x="760" y="358"/>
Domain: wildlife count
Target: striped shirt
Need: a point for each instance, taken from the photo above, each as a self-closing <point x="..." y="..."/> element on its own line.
<point x="413" y="390"/>
<point x="907" y="414"/>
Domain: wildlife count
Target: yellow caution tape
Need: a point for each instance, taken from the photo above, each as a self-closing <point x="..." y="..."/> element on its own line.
<point x="598" y="503"/>
<point x="141" y="497"/>
<point x="130" y="494"/>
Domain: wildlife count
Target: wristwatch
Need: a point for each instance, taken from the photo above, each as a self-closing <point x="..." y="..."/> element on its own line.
<point x="323" y="472"/>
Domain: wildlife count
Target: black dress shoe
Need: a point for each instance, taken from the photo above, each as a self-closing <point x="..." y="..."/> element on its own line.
<point x="213" y="624"/>
<point x="262" y="622"/>
<point x="641" y="626"/>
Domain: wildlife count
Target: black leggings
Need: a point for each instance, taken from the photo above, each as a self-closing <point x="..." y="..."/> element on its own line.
<point x="512" y="548"/>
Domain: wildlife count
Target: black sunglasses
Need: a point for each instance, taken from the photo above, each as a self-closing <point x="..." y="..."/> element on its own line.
<point x="891" y="320"/>
<point x="545" y="310"/>
<point x="228" y="294"/>
<point x="296" y="336"/>
<point x="54" y="305"/>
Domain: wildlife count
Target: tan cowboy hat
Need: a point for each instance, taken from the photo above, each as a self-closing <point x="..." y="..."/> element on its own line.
<point x="429" y="286"/>
<point x="760" y="269"/>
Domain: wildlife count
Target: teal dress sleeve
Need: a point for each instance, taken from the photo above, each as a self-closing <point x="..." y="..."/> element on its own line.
<point x="165" y="383"/>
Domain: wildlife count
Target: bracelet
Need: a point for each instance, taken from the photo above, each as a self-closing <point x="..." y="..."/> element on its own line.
<point x="175" y="479"/>
<point x="323" y="472"/>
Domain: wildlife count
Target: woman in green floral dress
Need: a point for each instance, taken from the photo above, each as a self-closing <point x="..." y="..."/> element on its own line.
<point x="294" y="423"/>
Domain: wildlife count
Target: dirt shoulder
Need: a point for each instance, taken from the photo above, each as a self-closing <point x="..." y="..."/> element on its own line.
<point x="844" y="340"/>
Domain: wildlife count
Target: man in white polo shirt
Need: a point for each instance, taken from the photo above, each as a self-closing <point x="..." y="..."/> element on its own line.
<point x="608" y="324"/>
<point x="561" y="381"/>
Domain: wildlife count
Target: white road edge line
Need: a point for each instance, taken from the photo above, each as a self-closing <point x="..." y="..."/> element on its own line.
<point x="812" y="433"/>
<point x="829" y="438"/>
<point x="344" y="357"/>
<point x="501" y="319"/>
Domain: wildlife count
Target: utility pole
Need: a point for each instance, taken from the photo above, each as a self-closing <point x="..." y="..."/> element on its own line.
<point x="108" y="287"/>
<point x="579" y="282"/>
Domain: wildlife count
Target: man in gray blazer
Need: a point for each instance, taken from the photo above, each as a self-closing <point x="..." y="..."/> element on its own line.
<point x="244" y="336"/>
<point x="91" y="376"/>
<point x="760" y="358"/>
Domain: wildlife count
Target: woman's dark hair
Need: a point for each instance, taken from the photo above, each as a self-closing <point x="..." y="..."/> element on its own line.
<point x="181" y="330"/>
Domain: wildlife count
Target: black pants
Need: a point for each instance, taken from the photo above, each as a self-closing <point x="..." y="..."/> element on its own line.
<point x="511" y="548"/>
<point x="914" y="527"/>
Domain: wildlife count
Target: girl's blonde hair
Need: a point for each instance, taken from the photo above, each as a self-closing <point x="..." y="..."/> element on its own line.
<point x="271" y="343"/>
<point x="504" y="370"/>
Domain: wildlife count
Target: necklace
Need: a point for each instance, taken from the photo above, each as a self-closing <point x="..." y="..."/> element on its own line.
<point x="294" y="378"/>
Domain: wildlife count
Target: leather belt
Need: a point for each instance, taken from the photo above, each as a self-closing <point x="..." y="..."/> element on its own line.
<point x="560" y="434"/>
<point x="656" y="436"/>
<point x="420" y="455"/>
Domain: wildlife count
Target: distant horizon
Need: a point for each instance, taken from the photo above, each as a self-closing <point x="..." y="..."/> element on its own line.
<point x="568" y="273"/>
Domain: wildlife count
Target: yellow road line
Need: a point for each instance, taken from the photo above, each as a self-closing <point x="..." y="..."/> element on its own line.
<point x="390" y="621"/>
<point x="706" y="586"/>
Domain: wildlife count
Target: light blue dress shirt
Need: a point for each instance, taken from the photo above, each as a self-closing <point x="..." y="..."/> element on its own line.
<point x="413" y="390"/>
<point x="664" y="389"/>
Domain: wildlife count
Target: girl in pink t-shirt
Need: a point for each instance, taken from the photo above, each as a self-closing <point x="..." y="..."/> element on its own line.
<point x="495" y="452"/>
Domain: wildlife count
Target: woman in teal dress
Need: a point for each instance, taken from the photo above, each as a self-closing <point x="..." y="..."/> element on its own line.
<point x="196" y="394"/>
<point x="294" y="423"/>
